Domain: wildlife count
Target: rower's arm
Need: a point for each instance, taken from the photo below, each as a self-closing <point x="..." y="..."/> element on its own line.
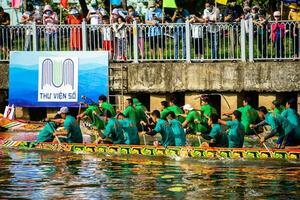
<point x="270" y="134"/>
<point x="185" y="123"/>
<point x="222" y="122"/>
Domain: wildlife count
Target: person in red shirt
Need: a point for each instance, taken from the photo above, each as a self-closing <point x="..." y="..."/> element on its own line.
<point x="76" y="36"/>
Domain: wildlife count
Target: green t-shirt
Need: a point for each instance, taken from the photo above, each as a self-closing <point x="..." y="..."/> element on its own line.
<point x="179" y="134"/>
<point x="113" y="130"/>
<point x="131" y="113"/>
<point x="108" y="106"/>
<point x="73" y="129"/>
<point x="165" y="129"/>
<point x="46" y="134"/>
<point x="177" y="110"/>
<point x="236" y="133"/>
<point x="283" y="126"/>
<point x="95" y="120"/>
<point x="220" y="139"/>
<point x="140" y="109"/>
<point x="130" y="132"/>
<point x="191" y="117"/>
<point x="207" y="110"/>
<point x="164" y="112"/>
<point x="249" y="116"/>
<point x="279" y="110"/>
<point x="291" y="115"/>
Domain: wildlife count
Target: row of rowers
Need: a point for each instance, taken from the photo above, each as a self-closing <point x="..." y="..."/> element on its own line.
<point x="173" y="123"/>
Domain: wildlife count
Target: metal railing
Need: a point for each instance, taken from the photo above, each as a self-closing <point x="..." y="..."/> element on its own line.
<point x="184" y="42"/>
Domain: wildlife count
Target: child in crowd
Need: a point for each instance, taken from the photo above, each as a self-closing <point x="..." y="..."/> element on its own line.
<point x="120" y="33"/>
<point x="107" y="42"/>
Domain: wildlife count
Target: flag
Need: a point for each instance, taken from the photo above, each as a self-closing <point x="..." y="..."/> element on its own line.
<point x="115" y="2"/>
<point x="16" y="3"/>
<point x="224" y="2"/>
<point x="64" y="3"/>
<point x="169" y="4"/>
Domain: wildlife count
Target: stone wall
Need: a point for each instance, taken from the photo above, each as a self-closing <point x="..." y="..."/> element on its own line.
<point x="197" y="77"/>
<point x="221" y="77"/>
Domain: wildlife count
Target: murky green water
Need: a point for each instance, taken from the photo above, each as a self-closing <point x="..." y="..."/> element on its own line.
<point x="47" y="175"/>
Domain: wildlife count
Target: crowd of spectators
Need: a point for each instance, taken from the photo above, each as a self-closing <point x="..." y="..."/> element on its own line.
<point x="117" y="38"/>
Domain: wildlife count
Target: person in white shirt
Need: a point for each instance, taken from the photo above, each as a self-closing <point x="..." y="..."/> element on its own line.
<point x="95" y="18"/>
<point x="120" y="33"/>
<point x="212" y="16"/>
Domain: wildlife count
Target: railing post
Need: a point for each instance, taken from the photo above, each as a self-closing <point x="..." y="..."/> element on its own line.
<point x="135" y="43"/>
<point x="84" y="35"/>
<point x="188" y="41"/>
<point x="34" y="37"/>
<point x="243" y="40"/>
<point x="251" y="36"/>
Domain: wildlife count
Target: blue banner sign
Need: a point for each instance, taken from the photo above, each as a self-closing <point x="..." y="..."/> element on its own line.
<point x="56" y="79"/>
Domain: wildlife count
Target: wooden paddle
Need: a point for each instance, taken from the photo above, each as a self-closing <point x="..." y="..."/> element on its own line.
<point x="264" y="144"/>
<point x="199" y="140"/>
<point x="79" y="111"/>
<point x="144" y="137"/>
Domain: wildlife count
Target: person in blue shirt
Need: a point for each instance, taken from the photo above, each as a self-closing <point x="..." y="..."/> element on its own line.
<point x="236" y="130"/>
<point x="289" y="135"/>
<point x="164" y="128"/>
<point x="179" y="134"/>
<point x="153" y="18"/>
<point x="129" y="129"/>
<point x="113" y="129"/>
<point x="179" y="17"/>
<point x="71" y="128"/>
<point x="216" y="136"/>
<point x="290" y="114"/>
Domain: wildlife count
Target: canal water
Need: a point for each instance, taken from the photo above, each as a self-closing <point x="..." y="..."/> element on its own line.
<point x="48" y="175"/>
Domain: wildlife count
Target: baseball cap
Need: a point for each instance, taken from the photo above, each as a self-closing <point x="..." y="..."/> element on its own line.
<point x="188" y="107"/>
<point x="63" y="110"/>
<point x="151" y="4"/>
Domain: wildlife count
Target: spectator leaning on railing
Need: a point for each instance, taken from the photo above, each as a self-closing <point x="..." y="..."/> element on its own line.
<point x="262" y="33"/>
<point x="277" y="35"/>
<point x="94" y="18"/>
<point x="29" y="17"/>
<point x="74" y="18"/>
<point x="180" y="16"/>
<point x="211" y="16"/>
<point x="4" y="33"/>
<point x="197" y="36"/>
<point x="153" y="17"/>
<point x="50" y="19"/>
<point x="120" y="32"/>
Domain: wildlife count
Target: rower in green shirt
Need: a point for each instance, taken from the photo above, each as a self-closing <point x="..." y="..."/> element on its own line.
<point x="164" y="128"/>
<point x="290" y="114"/>
<point x="129" y="129"/>
<point x="277" y="107"/>
<point x="164" y="107"/>
<point x="176" y="109"/>
<point x="141" y="112"/>
<point x="179" y="134"/>
<point x="113" y="129"/>
<point x="104" y="105"/>
<point x="193" y="120"/>
<point x="249" y="115"/>
<point x="236" y="130"/>
<point x="93" y="112"/>
<point x="130" y="112"/>
<point x="46" y="134"/>
<point x="71" y="128"/>
<point x="206" y="109"/>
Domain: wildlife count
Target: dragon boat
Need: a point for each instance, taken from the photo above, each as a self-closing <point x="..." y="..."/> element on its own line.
<point x="148" y="150"/>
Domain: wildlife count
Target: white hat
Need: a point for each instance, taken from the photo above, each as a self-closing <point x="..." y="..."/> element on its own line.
<point x="276" y="13"/>
<point x="115" y="11"/>
<point x="63" y="110"/>
<point x="74" y="11"/>
<point x="188" y="107"/>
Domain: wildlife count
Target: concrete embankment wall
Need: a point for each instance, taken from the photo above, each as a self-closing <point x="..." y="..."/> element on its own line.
<point x="154" y="82"/>
<point x="221" y="77"/>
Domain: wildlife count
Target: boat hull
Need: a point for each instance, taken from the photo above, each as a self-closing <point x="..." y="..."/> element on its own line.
<point x="183" y="152"/>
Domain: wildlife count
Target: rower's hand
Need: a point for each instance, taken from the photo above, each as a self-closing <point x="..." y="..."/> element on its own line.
<point x="155" y="143"/>
<point x="197" y="121"/>
<point x="252" y="126"/>
<point x="262" y="140"/>
<point x="143" y="123"/>
<point x="94" y="113"/>
<point x="143" y="133"/>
